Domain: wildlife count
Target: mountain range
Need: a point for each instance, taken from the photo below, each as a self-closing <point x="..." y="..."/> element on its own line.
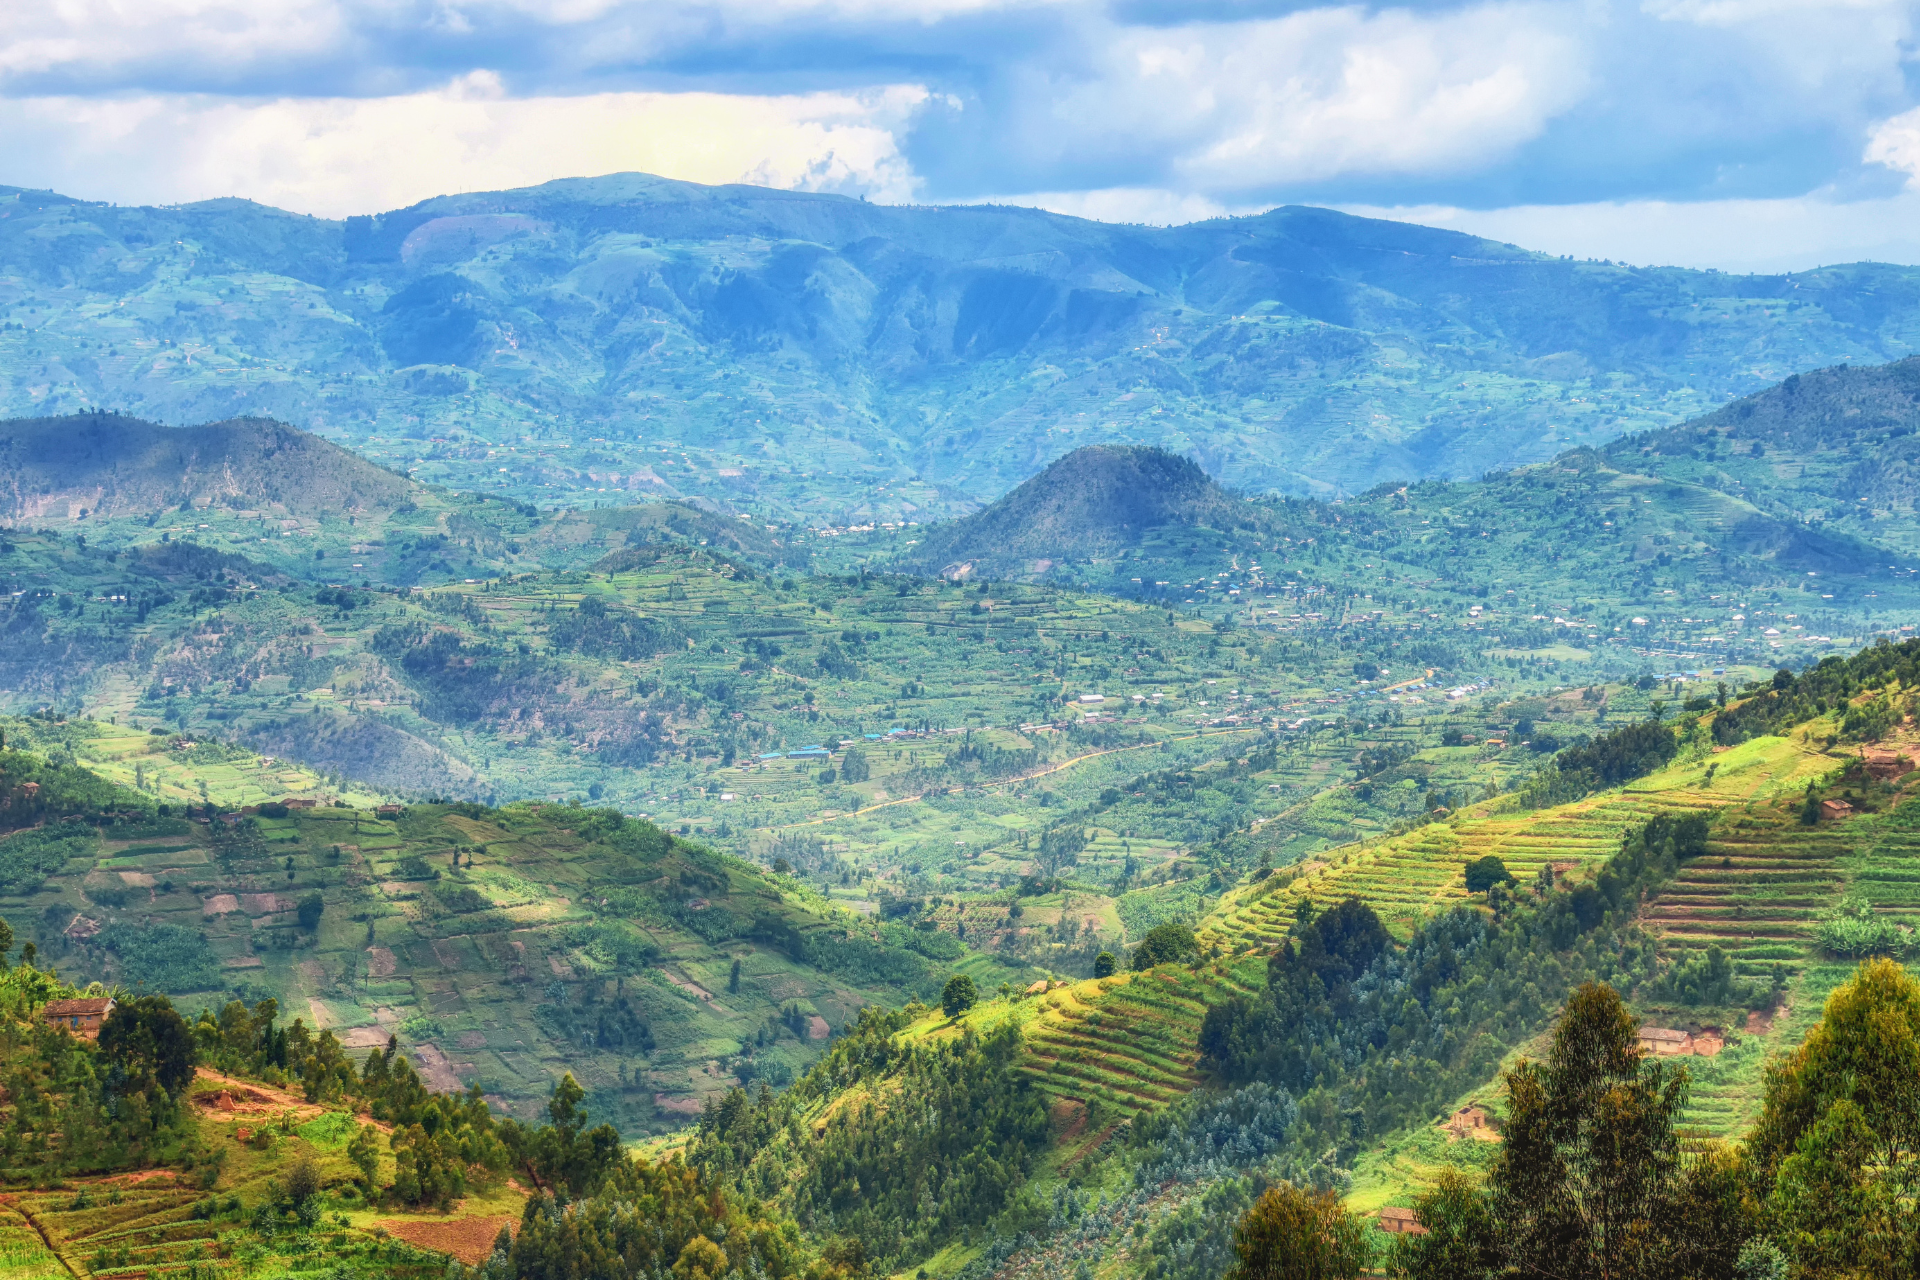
<point x="817" y="355"/>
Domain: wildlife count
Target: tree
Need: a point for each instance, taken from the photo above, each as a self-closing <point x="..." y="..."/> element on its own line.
<point x="1164" y="944"/>
<point x="1590" y="1183"/>
<point x="310" y="908"/>
<point x="6" y="942"/>
<point x="364" y="1152"/>
<point x="1837" y="1146"/>
<point x="1484" y="873"/>
<point x="959" y="995"/>
<point x="854" y="766"/>
<point x="1104" y="964"/>
<point x="303" y="1180"/>
<point x="150" y="1043"/>
<point x="733" y="979"/>
<point x="1292" y="1233"/>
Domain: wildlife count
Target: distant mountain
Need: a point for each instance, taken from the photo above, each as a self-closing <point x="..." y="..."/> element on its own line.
<point x="306" y="506"/>
<point x="107" y="465"/>
<point x="1837" y="448"/>
<point x="1094" y="503"/>
<point x="824" y="355"/>
<point x="1731" y="502"/>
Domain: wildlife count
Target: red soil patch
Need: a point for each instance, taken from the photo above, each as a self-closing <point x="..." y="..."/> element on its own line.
<point x="468" y="1239"/>
<point x="1068" y="1118"/>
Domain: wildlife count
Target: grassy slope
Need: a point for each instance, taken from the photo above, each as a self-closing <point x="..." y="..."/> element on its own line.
<point x="472" y="992"/>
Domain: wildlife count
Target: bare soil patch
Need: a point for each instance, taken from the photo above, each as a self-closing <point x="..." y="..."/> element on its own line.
<point x="468" y="1239"/>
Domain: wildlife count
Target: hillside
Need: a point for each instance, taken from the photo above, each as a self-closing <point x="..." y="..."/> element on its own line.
<point x="818" y="356"/>
<point x="1831" y="448"/>
<point x="109" y="465"/>
<point x="287" y="498"/>
<point x="505" y="945"/>
<point x="501" y="946"/>
<point x="1594" y="558"/>
<point x="1095" y="503"/>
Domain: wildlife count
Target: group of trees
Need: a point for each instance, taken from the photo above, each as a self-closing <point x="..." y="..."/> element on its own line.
<point x="900" y="1179"/>
<point x="80" y="1107"/>
<point x="1594" y="1182"/>
<point x="1790" y="699"/>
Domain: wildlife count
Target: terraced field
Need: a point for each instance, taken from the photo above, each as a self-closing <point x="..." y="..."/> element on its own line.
<point x="23" y="1254"/>
<point x="1756" y="893"/>
<point x="1129" y="1040"/>
<point x="1408" y="877"/>
<point x="106" y="1226"/>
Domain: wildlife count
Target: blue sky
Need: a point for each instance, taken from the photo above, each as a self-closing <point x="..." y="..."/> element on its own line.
<point x="1741" y="134"/>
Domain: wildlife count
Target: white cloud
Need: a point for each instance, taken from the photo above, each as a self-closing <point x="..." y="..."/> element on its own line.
<point x="1339" y="91"/>
<point x="1731" y="235"/>
<point x="335" y="156"/>
<point x="1242" y="106"/>
<point x="1895" y="143"/>
<point x="90" y="35"/>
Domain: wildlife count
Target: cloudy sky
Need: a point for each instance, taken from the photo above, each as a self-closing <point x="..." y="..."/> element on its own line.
<point x="1742" y="134"/>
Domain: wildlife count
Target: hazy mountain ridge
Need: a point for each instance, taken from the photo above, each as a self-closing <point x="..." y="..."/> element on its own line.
<point x="108" y="465"/>
<point x="816" y="345"/>
<point x="1832" y="447"/>
<point x="1619" y="524"/>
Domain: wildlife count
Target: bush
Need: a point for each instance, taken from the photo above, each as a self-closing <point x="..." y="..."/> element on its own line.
<point x="29" y="857"/>
<point x="1104" y="964"/>
<point x="310" y="908"/>
<point x="1852" y="929"/>
<point x="168" y="957"/>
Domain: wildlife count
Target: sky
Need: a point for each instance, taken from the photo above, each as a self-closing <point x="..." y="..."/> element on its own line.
<point x="1737" y="134"/>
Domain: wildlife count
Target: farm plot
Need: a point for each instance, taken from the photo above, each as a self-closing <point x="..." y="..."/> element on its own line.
<point x="110" y="1225"/>
<point x="1129" y="1041"/>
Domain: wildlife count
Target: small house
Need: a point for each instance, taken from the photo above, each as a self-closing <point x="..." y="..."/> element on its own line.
<point x="388" y="811"/>
<point x="79" y="1017"/>
<point x="1401" y="1222"/>
<point x="1665" y="1042"/>
<point x="30" y="790"/>
<point x="1470" y="1121"/>
<point x="1833" y="810"/>
<point x="306" y="803"/>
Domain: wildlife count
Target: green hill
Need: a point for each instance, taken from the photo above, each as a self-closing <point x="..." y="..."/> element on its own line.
<point x="287" y="498"/>
<point x="502" y="946"/>
<point x="108" y="465"/>
<point x="1095" y="503"/>
<point x="1834" y="449"/>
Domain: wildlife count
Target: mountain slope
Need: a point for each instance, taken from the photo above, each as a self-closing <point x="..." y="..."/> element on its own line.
<point x="285" y="497"/>
<point x="107" y="465"/>
<point x="821" y="354"/>
<point x="1092" y="503"/>
<point x="503" y="946"/>
<point x="1832" y="447"/>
